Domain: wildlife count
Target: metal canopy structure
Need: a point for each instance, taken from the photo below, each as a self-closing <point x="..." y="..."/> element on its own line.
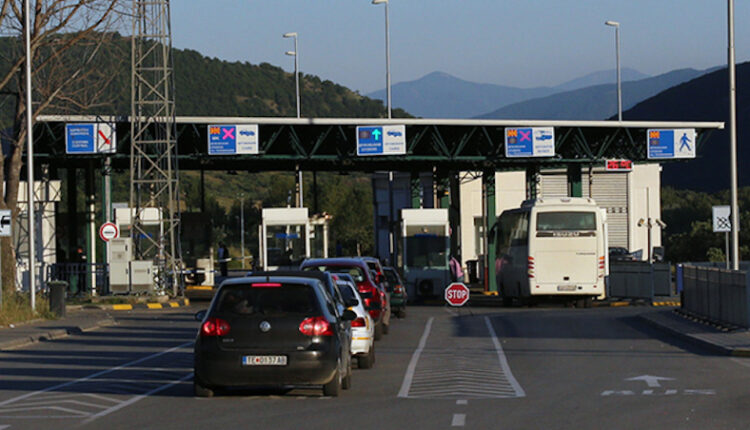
<point x="319" y="144"/>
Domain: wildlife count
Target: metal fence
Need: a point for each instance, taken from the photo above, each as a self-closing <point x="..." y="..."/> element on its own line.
<point x="640" y="280"/>
<point x="80" y="277"/>
<point x="717" y="294"/>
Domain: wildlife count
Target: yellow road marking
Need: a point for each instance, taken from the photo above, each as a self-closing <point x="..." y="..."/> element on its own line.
<point x="122" y="307"/>
<point x="154" y="305"/>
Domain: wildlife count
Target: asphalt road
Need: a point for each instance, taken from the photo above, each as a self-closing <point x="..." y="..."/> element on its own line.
<point x="525" y="368"/>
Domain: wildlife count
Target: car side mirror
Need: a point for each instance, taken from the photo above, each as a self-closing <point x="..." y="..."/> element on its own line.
<point x="352" y="302"/>
<point x="201" y="315"/>
<point x="349" y="315"/>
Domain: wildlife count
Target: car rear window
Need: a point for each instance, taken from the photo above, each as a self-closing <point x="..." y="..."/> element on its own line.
<point x="356" y="272"/>
<point x="391" y="276"/>
<point x="346" y="291"/>
<point x="278" y="299"/>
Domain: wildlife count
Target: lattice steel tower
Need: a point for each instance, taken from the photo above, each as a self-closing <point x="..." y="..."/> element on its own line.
<point x="154" y="182"/>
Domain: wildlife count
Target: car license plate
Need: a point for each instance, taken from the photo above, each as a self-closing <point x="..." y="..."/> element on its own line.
<point x="264" y="360"/>
<point x="566" y="288"/>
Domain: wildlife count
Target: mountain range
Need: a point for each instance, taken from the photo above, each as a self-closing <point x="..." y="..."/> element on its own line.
<point x="440" y="95"/>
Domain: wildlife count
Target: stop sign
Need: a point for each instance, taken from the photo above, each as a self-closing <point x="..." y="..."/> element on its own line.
<point x="457" y="294"/>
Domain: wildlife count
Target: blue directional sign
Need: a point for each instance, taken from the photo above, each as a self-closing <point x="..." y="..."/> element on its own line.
<point x="381" y="140"/>
<point x="233" y="139"/>
<point x="529" y="142"/>
<point x="675" y="143"/>
<point x="90" y="138"/>
<point x="79" y="138"/>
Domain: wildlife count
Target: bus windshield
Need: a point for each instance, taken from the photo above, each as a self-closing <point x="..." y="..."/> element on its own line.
<point x="427" y="251"/>
<point x="558" y="221"/>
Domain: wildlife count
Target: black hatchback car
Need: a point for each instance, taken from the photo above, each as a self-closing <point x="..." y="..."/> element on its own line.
<point x="272" y="331"/>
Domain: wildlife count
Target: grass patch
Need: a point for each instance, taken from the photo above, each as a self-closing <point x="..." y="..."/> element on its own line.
<point x="16" y="308"/>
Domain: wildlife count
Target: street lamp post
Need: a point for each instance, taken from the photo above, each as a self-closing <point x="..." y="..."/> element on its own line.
<point x="387" y="57"/>
<point x="616" y="25"/>
<point x="735" y="211"/>
<point x="295" y="54"/>
<point x="388" y="103"/>
<point x="30" y="160"/>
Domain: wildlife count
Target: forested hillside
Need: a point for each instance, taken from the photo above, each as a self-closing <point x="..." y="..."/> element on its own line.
<point x="211" y="87"/>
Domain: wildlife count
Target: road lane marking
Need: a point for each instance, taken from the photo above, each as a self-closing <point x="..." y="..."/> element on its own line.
<point x="4" y="426"/>
<point x="94" y="375"/>
<point x="404" y="392"/>
<point x="503" y="361"/>
<point x="462" y="402"/>
<point x="459" y="420"/>
<point x="137" y="398"/>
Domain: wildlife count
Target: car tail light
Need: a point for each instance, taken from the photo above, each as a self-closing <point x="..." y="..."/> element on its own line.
<point x="265" y="285"/>
<point x="359" y="322"/>
<point x="316" y="326"/>
<point x="215" y="327"/>
<point x="531" y="267"/>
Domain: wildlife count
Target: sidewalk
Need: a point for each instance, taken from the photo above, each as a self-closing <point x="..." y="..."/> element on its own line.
<point x="77" y="321"/>
<point x="735" y="342"/>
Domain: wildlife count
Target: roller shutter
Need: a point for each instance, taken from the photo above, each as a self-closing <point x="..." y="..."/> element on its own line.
<point x="610" y="191"/>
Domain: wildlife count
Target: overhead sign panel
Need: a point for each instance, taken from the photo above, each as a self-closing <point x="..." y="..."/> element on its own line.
<point x="530" y="142"/>
<point x="233" y="139"/>
<point x="90" y="138"/>
<point x="381" y="140"/>
<point x="675" y="143"/>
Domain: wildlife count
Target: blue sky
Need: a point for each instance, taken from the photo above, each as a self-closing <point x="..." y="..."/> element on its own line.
<point x="524" y="43"/>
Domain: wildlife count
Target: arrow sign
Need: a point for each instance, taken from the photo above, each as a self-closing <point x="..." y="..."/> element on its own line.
<point x="651" y="381"/>
<point x="5" y="223"/>
<point x="376" y="134"/>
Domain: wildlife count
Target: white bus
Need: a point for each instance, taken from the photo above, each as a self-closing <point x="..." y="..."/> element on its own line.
<point x="552" y="248"/>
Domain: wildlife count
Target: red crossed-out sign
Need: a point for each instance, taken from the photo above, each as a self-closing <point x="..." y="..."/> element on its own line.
<point x="457" y="294"/>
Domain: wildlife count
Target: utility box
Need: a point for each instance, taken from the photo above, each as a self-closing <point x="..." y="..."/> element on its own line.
<point x="121" y="249"/>
<point x="205" y="266"/>
<point x="142" y="276"/>
<point x="119" y="277"/>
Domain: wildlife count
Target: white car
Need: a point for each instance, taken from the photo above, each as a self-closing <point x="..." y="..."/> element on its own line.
<point x="363" y="327"/>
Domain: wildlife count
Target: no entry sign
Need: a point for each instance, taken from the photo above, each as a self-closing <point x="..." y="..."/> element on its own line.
<point x="457" y="294"/>
<point x="109" y="231"/>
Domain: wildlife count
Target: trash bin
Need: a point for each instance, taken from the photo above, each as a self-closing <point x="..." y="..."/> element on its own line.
<point x="57" y="291"/>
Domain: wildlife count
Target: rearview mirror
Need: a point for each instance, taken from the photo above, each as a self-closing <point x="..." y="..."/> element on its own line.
<point x="352" y="302"/>
<point x="200" y="315"/>
<point x="348" y="315"/>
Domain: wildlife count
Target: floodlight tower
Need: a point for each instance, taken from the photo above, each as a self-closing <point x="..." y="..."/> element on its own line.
<point x="154" y="180"/>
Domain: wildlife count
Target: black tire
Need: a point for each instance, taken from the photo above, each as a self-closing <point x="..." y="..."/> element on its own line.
<point x="580" y="303"/>
<point x="386" y="328"/>
<point x="346" y="382"/>
<point x="402" y="313"/>
<point x="333" y="388"/>
<point x="366" y="361"/>
<point x="202" y="391"/>
<point x="378" y="331"/>
<point x="588" y="302"/>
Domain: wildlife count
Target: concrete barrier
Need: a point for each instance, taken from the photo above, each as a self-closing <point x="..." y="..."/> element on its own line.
<point x="640" y="280"/>
<point x="717" y="294"/>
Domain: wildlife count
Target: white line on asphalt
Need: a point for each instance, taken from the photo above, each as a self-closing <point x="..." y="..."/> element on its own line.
<point x="97" y="374"/>
<point x="462" y="402"/>
<point x="137" y="398"/>
<point x="4" y="426"/>
<point x="459" y="420"/>
<point x="414" y="359"/>
<point x="503" y="361"/>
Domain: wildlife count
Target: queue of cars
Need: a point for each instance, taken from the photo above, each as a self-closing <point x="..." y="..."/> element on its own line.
<point x="295" y="328"/>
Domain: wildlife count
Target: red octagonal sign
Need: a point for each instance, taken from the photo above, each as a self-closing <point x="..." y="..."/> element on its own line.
<point x="457" y="294"/>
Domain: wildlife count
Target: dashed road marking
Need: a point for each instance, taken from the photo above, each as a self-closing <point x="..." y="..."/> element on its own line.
<point x="459" y="420"/>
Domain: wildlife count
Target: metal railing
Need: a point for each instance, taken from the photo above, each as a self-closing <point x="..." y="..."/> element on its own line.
<point x="717" y="294"/>
<point x="80" y="277"/>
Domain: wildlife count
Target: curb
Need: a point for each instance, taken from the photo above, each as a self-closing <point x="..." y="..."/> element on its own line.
<point x="695" y="340"/>
<point x="53" y="334"/>
<point x="130" y="307"/>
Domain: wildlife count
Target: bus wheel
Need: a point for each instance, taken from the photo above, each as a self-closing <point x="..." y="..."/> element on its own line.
<point x="588" y="301"/>
<point x="581" y="303"/>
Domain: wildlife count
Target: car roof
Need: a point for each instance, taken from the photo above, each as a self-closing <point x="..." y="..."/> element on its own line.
<point x="281" y="278"/>
<point x="323" y="276"/>
<point x="337" y="261"/>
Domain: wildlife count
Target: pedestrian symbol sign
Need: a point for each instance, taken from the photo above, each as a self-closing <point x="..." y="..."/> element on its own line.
<point x="676" y="143"/>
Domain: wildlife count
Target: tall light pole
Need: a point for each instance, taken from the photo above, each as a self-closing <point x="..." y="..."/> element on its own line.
<point x="242" y="227"/>
<point x="387" y="57"/>
<point x="391" y="247"/>
<point x="30" y="160"/>
<point x="616" y="25"/>
<point x="295" y="54"/>
<point x="735" y="211"/>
